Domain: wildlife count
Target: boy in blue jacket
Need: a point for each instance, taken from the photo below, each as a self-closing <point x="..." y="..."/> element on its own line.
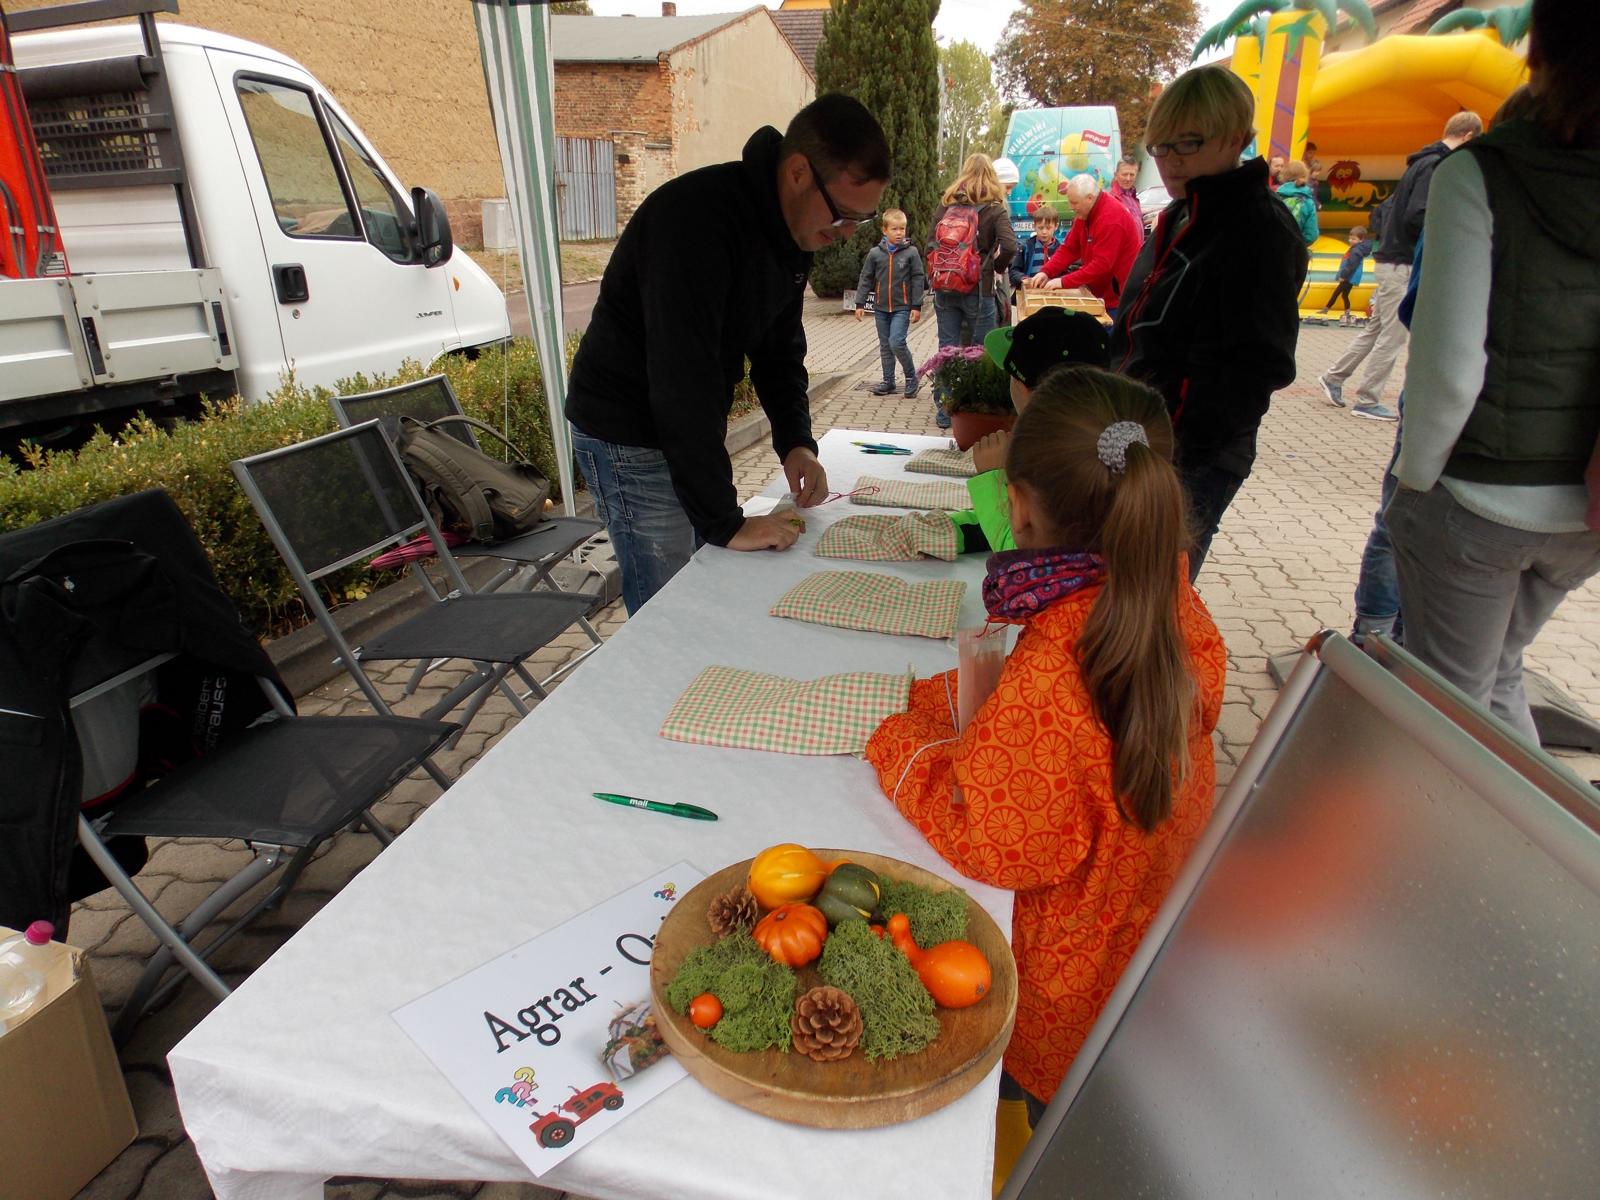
<point x="1035" y="250"/>
<point x="1295" y="192"/>
<point x="1351" y="268"/>
<point x="893" y="275"/>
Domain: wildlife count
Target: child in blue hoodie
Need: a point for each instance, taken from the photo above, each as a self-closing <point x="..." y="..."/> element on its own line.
<point x="1035" y="250"/>
<point x="1351" y="268"/>
<point x="1296" y="193"/>
<point x="893" y="275"/>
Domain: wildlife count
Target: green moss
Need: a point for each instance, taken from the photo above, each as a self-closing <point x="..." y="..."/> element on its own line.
<point x="757" y="994"/>
<point x="935" y="916"/>
<point x="896" y="1011"/>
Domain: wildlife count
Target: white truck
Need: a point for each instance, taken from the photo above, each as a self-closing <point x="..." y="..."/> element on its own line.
<point x="224" y="222"/>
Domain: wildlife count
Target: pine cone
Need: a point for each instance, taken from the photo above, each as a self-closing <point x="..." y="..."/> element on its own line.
<point x="735" y="910"/>
<point x="826" y="1024"/>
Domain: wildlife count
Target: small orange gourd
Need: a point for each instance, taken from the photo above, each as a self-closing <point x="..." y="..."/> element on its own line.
<point x="955" y="973"/>
<point x="785" y="873"/>
<point x="705" y="1010"/>
<point x="792" y="934"/>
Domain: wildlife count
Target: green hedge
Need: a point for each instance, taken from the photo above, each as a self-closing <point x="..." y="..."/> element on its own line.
<point x="190" y="462"/>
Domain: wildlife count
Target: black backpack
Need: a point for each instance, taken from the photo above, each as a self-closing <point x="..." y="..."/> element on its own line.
<point x="470" y="491"/>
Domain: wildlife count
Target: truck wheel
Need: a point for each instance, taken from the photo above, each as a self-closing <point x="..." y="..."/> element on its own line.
<point x="612" y="1103"/>
<point x="557" y="1133"/>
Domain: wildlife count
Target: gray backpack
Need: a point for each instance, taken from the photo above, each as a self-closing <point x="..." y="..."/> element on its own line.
<point x="470" y="491"/>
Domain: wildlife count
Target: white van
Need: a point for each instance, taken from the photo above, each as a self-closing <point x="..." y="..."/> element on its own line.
<point x="255" y="231"/>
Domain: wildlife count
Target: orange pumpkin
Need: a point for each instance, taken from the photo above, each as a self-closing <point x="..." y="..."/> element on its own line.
<point x="785" y="873"/>
<point x="792" y="934"/>
<point x="956" y="974"/>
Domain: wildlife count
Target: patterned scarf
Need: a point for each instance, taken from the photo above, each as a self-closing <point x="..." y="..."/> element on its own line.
<point x="1023" y="583"/>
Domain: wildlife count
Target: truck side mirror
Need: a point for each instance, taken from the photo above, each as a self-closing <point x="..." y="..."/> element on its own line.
<point x="434" y="244"/>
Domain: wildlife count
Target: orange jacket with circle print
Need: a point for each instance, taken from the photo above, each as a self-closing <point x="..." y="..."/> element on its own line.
<point x="1039" y="817"/>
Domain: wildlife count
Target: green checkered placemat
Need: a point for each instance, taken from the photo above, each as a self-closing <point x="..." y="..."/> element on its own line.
<point x="942" y="462"/>
<point x="726" y="706"/>
<point x="875" y="603"/>
<point x="908" y="493"/>
<point x="874" y="537"/>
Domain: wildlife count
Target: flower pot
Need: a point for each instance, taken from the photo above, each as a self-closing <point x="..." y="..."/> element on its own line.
<point x="967" y="428"/>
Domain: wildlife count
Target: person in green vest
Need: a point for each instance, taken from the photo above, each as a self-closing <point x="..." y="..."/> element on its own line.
<point x="1490" y="523"/>
<point x="1027" y="352"/>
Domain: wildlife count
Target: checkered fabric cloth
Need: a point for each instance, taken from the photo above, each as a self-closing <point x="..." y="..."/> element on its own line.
<point x="875" y="603"/>
<point x="874" y="537"/>
<point x="836" y="714"/>
<point x="907" y="493"/>
<point x="942" y="462"/>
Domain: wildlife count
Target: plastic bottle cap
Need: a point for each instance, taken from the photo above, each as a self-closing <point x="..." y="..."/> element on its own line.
<point x="39" y="933"/>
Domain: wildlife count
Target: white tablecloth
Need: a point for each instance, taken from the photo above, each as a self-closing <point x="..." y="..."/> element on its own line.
<point x="302" y="1074"/>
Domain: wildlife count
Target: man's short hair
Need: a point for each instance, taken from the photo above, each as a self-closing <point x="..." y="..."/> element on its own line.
<point x="1466" y="124"/>
<point x="1211" y="101"/>
<point x="1085" y="185"/>
<point x="839" y="135"/>
<point x="1128" y="160"/>
<point x="892" y="216"/>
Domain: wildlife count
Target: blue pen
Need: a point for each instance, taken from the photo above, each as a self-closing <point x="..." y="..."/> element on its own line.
<point x="887" y="447"/>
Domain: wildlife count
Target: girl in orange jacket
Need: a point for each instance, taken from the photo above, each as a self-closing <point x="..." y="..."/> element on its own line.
<point x="1084" y="780"/>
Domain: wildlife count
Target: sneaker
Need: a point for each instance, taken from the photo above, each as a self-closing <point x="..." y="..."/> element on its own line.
<point x="941" y="418"/>
<point x="1346" y="321"/>
<point x="1376" y="412"/>
<point x="913" y="385"/>
<point x="881" y="389"/>
<point x="1333" y="391"/>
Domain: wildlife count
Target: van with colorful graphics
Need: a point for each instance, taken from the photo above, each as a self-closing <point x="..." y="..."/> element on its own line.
<point x="1050" y="146"/>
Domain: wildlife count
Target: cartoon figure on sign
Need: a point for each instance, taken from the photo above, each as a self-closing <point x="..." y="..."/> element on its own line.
<point x="668" y="892"/>
<point x="1346" y="186"/>
<point x="554" y="1130"/>
<point x="520" y="1092"/>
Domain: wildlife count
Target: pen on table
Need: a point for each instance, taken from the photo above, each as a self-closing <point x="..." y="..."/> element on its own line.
<point x="882" y="446"/>
<point x="693" y="811"/>
<point x="882" y="450"/>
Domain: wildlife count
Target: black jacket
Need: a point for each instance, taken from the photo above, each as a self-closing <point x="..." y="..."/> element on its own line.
<point x="705" y="274"/>
<point x="1210" y="314"/>
<point x="82" y="596"/>
<point x="1405" y="210"/>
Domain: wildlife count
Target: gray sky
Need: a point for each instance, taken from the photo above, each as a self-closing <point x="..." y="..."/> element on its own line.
<point x="980" y="21"/>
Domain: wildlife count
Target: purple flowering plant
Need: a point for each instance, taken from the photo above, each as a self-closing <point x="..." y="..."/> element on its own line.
<point x="969" y="381"/>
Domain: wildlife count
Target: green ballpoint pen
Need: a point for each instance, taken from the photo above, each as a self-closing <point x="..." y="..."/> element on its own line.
<point x="693" y="811"/>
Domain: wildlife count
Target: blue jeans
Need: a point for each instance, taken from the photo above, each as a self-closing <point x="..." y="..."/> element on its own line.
<point x="963" y="318"/>
<point x="650" y="533"/>
<point x="1378" y="585"/>
<point x="892" y="328"/>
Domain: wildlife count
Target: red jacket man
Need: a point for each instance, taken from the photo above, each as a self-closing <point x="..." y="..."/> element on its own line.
<point x="1104" y="238"/>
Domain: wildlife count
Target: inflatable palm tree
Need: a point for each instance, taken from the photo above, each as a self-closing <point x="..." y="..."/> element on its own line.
<point x="1509" y="22"/>
<point x="1277" y="47"/>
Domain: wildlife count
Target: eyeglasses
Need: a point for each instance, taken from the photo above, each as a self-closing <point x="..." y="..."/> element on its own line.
<point x="1184" y="146"/>
<point x="840" y="219"/>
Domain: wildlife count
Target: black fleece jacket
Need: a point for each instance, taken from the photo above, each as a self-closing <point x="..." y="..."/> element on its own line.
<point x="1406" y="209"/>
<point x="1210" y="314"/>
<point x="705" y="274"/>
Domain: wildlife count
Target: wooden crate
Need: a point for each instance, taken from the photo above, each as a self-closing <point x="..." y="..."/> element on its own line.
<point x="1031" y="300"/>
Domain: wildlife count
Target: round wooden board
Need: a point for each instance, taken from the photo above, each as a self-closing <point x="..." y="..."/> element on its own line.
<point x="854" y="1093"/>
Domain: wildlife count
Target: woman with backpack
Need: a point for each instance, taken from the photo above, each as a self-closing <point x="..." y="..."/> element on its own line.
<point x="970" y="240"/>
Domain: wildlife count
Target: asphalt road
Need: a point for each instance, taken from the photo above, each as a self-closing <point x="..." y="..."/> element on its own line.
<point x="577" y="302"/>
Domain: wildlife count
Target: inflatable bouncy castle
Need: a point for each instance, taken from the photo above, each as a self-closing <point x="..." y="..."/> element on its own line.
<point x="1367" y="109"/>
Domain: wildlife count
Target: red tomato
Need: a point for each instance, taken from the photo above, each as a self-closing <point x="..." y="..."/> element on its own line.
<point x="705" y="1010"/>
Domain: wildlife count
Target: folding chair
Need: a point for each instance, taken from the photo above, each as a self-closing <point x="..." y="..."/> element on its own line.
<point x="131" y="574"/>
<point x="344" y="497"/>
<point x="539" y="551"/>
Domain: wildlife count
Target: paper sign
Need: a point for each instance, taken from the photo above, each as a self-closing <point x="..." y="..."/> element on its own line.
<point x="554" y="1042"/>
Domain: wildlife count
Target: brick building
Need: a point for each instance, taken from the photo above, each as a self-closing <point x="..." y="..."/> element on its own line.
<point x="673" y="93"/>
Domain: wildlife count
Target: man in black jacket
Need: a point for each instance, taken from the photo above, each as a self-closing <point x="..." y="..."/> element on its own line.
<point x="711" y="270"/>
<point x="1383" y="336"/>
<point x="1209" y="314"/>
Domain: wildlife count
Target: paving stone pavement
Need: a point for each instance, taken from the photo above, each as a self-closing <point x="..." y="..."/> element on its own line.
<point x="1282" y="567"/>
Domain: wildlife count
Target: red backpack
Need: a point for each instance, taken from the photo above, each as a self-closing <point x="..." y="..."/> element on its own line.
<point x="955" y="265"/>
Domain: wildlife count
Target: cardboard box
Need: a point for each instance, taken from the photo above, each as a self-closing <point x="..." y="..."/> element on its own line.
<point x="64" y="1109"/>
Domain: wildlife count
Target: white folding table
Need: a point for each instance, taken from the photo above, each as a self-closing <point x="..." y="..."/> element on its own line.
<point x="301" y="1073"/>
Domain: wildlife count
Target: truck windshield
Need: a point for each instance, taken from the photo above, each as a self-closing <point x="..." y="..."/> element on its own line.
<point x="384" y="214"/>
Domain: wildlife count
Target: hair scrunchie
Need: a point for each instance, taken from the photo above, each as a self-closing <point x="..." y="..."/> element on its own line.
<point x="1115" y="440"/>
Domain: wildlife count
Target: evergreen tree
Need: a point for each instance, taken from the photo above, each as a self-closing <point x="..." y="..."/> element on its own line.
<point x="882" y="52"/>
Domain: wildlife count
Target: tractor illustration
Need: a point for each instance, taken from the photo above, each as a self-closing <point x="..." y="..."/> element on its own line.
<point x="555" y="1130"/>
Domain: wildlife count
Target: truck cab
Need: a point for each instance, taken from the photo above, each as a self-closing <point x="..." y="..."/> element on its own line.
<point x="225" y="224"/>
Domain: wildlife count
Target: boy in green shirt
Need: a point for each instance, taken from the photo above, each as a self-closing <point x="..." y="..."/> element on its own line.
<point x="1027" y="351"/>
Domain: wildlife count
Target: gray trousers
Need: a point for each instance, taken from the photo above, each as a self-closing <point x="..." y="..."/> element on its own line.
<point x="1476" y="592"/>
<point x="1381" y="338"/>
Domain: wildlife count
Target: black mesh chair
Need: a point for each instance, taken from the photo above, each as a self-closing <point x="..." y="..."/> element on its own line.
<point x="344" y="497"/>
<point x="130" y="577"/>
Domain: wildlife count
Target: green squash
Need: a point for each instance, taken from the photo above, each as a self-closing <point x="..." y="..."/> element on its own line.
<point x="850" y="891"/>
